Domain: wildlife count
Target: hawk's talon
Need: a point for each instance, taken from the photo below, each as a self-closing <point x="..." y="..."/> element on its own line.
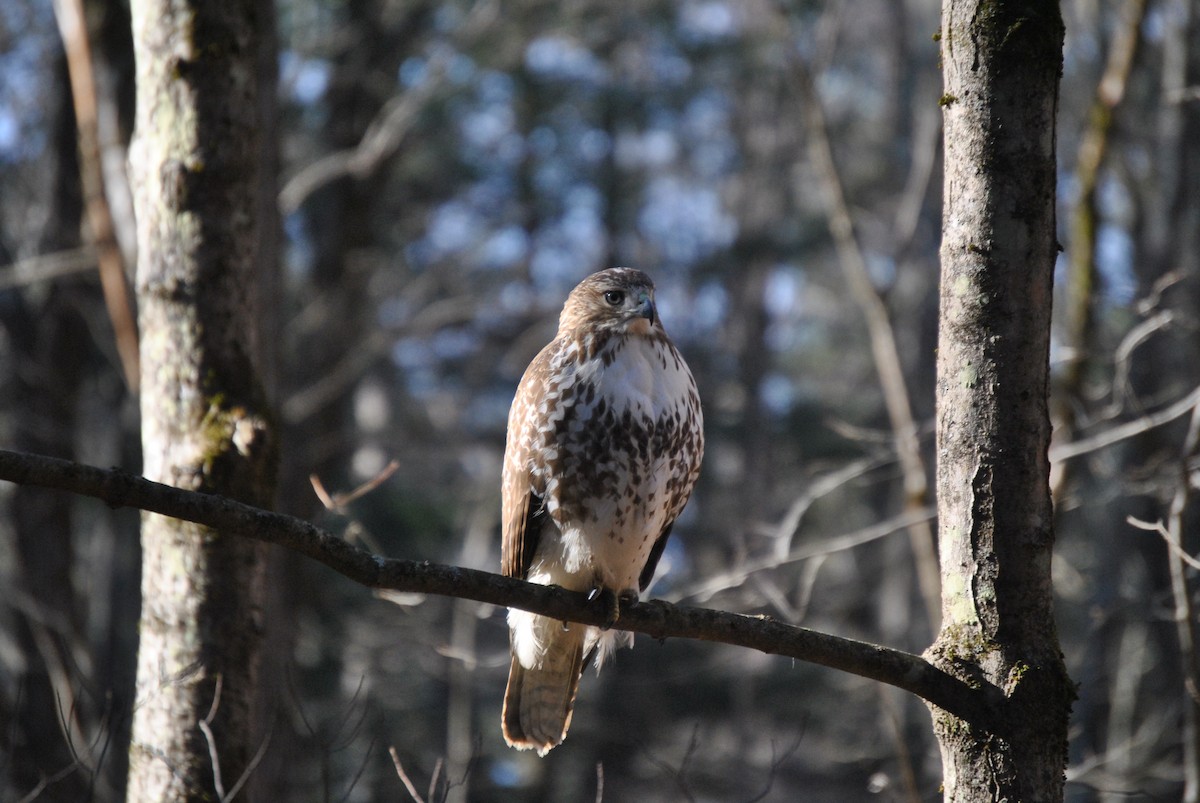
<point x="612" y="605"/>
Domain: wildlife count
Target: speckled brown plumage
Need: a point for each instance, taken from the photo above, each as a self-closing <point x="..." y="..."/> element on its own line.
<point x="605" y="439"/>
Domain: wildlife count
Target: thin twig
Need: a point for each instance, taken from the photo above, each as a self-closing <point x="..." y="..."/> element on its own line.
<point x="362" y="767"/>
<point x="1185" y="614"/>
<point x="383" y="136"/>
<point x="777" y="760"/>
<point x="1161" y="529"/>
<point x="1127" y="430"/>
<point x="678" y="775"/>
<point x="46" y="781"/>
<point x="45" y="267"/>
<point x="205" y="726"/>
<point x="408" y="784"/>
<point x="337" y="502"/>
<point x="433" y="779"/>
<point x="43" y="626"/>
<point x="1122" y="355"/>
<point x="789" y="525"/>
<point x="251" y="767"/>
<point x="706" y="589"/>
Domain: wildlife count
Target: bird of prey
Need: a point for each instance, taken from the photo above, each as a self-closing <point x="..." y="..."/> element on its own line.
<point x="605" y="439"/>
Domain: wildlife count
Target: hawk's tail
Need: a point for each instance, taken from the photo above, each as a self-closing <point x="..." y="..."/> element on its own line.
<point x="539" y="699"/>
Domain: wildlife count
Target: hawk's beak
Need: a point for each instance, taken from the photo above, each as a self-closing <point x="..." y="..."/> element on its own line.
<point x="647" y="310"/>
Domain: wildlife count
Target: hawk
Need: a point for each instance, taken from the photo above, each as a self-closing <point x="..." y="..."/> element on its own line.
<point x="605" y="438"/>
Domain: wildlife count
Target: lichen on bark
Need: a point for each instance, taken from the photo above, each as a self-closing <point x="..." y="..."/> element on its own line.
<point x="1001" y="62"/>
<point x="205" y="422"/>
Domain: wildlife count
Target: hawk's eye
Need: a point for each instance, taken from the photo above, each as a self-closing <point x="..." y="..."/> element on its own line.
<point x="614" y="297"/>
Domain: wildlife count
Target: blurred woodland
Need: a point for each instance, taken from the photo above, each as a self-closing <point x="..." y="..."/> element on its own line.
<point x="447" y="172"/>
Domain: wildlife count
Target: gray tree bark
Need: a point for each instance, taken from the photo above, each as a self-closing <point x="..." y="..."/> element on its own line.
<point x="196" y="169"/>
<point x="1002" y="62"/>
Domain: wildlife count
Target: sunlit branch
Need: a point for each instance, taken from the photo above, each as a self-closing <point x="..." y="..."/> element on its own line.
<point x="709" y="587"/>
<point x="657" y="619"/>
<point x="1127" y="430"/>
<point x="888" y="365"/>
<point x="72" y="25"/>
<point x="45" y="267"/>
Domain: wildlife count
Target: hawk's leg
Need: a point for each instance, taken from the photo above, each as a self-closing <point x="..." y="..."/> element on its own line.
<point x="613" y="600"/>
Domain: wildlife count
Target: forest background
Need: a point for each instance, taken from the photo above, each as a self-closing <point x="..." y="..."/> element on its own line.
<point x="447" y="172"/>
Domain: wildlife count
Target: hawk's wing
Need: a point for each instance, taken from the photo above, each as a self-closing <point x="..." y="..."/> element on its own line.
<point x="522" y="512"/>
<point x="652" y="559"/>
<point x="522" y="521"/>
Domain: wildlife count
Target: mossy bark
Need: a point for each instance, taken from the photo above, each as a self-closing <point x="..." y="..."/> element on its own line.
<point x="1002" y="63"/>
<point x="194" y="164"/>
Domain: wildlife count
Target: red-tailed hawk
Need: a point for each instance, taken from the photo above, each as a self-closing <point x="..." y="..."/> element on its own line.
<point x="605" y="438"/>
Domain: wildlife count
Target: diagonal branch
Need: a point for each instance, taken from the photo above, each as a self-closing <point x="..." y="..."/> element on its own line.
<point x="73" y="29"/>
<point x="886" y="353"/>
<point x="1083" y="274"/>
<point x="387" y="131"/>
<point x="656" y="618"/>
<point x="1127" y="430"/>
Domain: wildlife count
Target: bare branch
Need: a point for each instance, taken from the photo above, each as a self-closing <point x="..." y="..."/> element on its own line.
<point x="380" y="141"/>
<point x="44" y="267"/>
<point x="337" y="503"/>
<point x="1187" y="93"/>
<point x="656" y="618"/>
<point x="789" y="525"/>
<point x="1161" y="529"/>
<point x="250" y="768"/>
<point x="1127" y="430"/>
<point x="362" y="767"/>
<point x="387" y="131"/>
<point x="1122" y="355"/>
<point x="888" y="365"/>
<point x="1185" y="612"/>
<point x="408" y="784"/>
<point x="678" y="774"/>
<point x="49" y="632"/>
<point x="433" y="779"/>
<point x="205" y="726"/>
<point x="735" y="577"/>
<point x="71" y="25"/>
<point x="48" y="781"/>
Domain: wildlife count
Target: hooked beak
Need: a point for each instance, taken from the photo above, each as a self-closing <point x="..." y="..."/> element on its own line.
<point x="647" y="309"/>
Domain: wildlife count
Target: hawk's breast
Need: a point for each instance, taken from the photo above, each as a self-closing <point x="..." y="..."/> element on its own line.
<point x="630" y="443"/>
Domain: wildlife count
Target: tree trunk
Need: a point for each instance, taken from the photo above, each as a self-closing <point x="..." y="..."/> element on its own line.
<point x="204" y="422"/>
<point x="1002" y="62"/>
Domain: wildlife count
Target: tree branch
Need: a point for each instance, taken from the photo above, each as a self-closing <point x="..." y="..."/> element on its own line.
<point x="656" y="618"/>
<point x="882" y="335"/>
<point x="73" y="29"/>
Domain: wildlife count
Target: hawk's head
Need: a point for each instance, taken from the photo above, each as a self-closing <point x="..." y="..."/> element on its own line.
<point x="617" y="300"/>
